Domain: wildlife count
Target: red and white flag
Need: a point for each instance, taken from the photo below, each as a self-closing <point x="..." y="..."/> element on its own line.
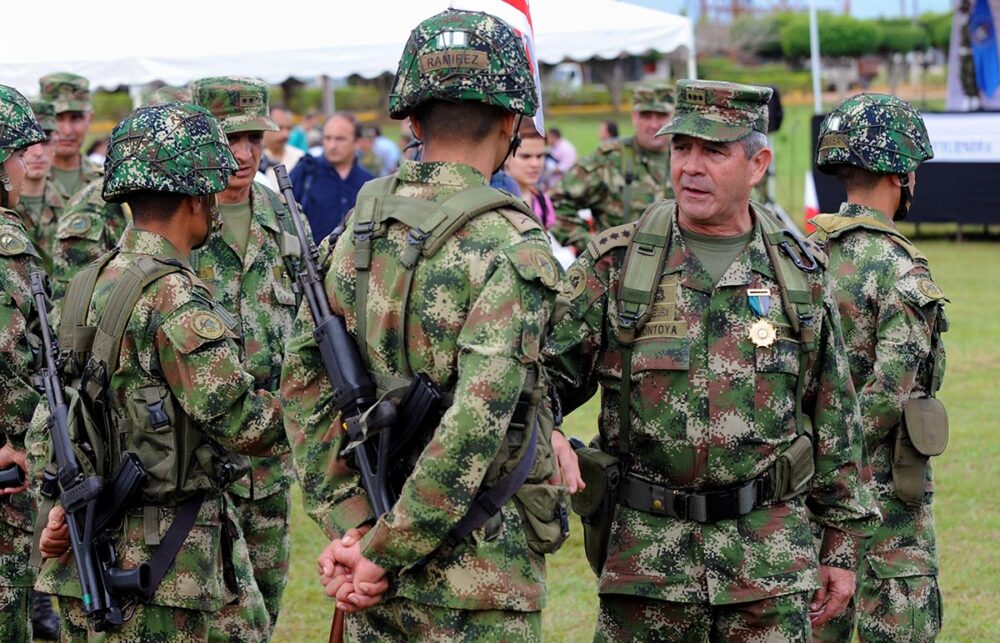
<point x="810" y="202"/>
<point x="517" y="14"/>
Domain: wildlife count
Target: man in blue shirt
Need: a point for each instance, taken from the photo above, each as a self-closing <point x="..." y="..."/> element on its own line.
<point x="327" y="186"/>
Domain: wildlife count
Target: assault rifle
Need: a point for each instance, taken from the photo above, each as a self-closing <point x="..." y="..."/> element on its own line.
<point x="94" y="511"/>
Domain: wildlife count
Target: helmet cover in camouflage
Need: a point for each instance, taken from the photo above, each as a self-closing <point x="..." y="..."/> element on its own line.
<point x="45" y="114"/>
<point x="167" y="94"/>
<point x="176" y="147"/>
<point x="718" y="111"/>
<point x="18" y="127"/>
<point x="879" y="133"/>
<point x="68" y="92"/>
<point x="240" y="104"/>
<point x="464" y="56"/>
<point x="657" y="97"/>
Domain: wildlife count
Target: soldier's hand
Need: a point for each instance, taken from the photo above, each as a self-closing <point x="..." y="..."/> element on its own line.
<point x="11" y="456"/>
<point x="55" y="537"/>
<point x="832" y="597"/>
<point x="568" y="471"/>
<point x="330" y="571"/>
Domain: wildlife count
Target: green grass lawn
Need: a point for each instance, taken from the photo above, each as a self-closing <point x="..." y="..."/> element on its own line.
<point x="968" y="474"/>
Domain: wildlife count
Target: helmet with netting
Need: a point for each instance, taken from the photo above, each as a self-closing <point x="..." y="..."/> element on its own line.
<point x="879" y="133"/>
<point x="18" y="127"/>
<point x="175" y="147"/>
<point x="464" y="56"/>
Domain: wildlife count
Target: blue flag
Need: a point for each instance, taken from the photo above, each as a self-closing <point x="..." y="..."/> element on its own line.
<point x="983" y="34"/>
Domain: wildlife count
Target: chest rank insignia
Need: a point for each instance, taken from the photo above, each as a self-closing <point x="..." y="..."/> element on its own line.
<point x="762" y="333"/>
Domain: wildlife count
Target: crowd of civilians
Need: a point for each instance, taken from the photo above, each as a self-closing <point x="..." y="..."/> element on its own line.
<point x="329" y="161"/>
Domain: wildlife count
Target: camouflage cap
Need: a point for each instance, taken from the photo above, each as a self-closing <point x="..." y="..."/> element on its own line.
<point x="167" y="94"/>
<point x="240" y="104"/>
<point x="464" y="56"/>
<point x="658" y="97"/>
<point x="67" y="92"/>
<point x="176" y="147"/>
<point x="876" y="132"/>
<point x="45" y="114"/>
<point x="718" y="111"/>
<point x="18" y="127"/>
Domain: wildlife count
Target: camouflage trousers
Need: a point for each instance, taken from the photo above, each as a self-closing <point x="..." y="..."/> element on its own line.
<point x="400" y="619"/>
<point x="148" y="623"/>
<point x="15" y="614"/>
<point x="634" y="618"/>
<point x="265" y="522"/>
<point x="888" y="609"/>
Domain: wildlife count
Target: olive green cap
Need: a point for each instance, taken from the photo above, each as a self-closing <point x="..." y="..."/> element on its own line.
<point x="240" y="104"/>
<point x="67" y="92"/>
<point x="45" y="114"/>
<point x="718" y="111"/>
<point x="657" y="97"/>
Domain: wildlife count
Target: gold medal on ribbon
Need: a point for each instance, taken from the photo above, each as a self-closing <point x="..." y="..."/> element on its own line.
<point x="763" y="333"/>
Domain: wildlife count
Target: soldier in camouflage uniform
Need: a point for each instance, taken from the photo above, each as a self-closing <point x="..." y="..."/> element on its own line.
<point x="893" y="315"/>
<point x="41" y="205"/>
<point x="472" y="317"/>
<point x="700" y="401"/>
<point x="618" y="181"/>
<point x="170" y="161"/>
<point x="90" y="226"/>
<point x="249" y="261"/>
<point x="18" y="398"/>
<point x="70" y="94"/>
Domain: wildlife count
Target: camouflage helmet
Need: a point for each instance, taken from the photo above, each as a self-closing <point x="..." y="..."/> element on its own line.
<point x="464" y="56"/>
<point x="175" y="147"/>
<point x="876" y="132"/>
<point x="18" y="127"/>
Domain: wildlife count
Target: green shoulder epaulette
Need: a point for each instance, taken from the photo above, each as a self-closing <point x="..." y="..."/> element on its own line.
<point x="834" y="225"/>
<point x="616" y="237"/>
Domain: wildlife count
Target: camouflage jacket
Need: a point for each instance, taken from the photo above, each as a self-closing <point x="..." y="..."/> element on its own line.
<point x="42" y="230"/>
<point x="258" y="290"/>
<point x="710" y="410"/>
<point x="89" y="172"/>
<point x="88" y="227"/>
<point x="598" y="182"/>
<point x="889" y="307"/>
<point x="18" y="397"/>
<point x="168" y="343"/>
<point x="477" y="313"/>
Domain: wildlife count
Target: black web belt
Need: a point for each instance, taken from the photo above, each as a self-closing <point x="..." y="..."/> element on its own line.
<point x="703" y="507"/>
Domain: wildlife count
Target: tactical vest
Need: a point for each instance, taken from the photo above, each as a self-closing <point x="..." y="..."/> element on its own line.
<point x="430" y="226"/>
<point x="181" y="459"/>
<point x="646" y="252"/>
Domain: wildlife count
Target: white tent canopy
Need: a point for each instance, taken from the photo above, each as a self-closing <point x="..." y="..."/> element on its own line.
<point x="123" y="42"/>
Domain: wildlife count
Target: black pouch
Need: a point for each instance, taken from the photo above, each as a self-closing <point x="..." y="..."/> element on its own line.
<point x="601" y="473"/>
<point x="923" y="433"/>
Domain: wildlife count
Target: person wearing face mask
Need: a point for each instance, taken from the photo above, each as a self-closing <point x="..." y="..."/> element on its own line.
<point x="617" y="182"/>
<point x="70" y="94"/>
<point x="181" y="402"/>
<point x="250" y="267"/>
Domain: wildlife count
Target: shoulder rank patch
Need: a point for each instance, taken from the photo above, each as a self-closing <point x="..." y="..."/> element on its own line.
<point x="207" y="325"/>
<point x="929" y="289"/>
<point x="12" y="245"/>
<point x="78" y="224"/>
<point x="576" y="276"/>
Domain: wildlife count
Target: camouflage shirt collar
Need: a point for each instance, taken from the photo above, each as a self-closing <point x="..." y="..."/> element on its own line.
<point x="457" y="175"/>
<point x="53" y="198"/>
<point x="12" y="217"/>
<point x="144" y="242"/>
<point x="857" y="210"/>
<point x="261" y="208"/>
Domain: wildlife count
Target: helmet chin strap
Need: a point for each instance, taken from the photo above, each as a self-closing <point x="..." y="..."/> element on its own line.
<point x="515" y="142"/>
<point x="905" y="198"/>
<point x="5" y="188"/>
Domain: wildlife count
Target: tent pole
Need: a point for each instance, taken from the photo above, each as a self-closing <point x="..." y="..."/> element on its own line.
<point x="692" y="61"/>
<point x="814" y="48"/>
<point x="329" y="102"/>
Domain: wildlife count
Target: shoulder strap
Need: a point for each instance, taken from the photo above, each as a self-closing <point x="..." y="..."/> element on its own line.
<point x="834" y="225"/>
<point x="628" y="171"/>
<point x="796" y="297"/>
<point x="114" y="318"/>
<point x="75" y="335"/>
<point x="285" y="238"/>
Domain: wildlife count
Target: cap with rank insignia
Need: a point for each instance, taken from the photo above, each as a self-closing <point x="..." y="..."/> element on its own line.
<point x="240" y="104"/>
<point x="718" y="111"/>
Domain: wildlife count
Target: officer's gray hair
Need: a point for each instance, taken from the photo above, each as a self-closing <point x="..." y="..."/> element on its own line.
<point x="755" y="142"/>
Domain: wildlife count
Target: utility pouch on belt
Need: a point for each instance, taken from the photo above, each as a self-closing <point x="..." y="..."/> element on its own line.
<point x="595" y="504"/>
<point x="922" y="433"/>
<point x="794" y="469"/>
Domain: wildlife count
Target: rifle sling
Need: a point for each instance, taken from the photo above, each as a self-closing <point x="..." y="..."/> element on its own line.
<point x="165" y="554"/>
